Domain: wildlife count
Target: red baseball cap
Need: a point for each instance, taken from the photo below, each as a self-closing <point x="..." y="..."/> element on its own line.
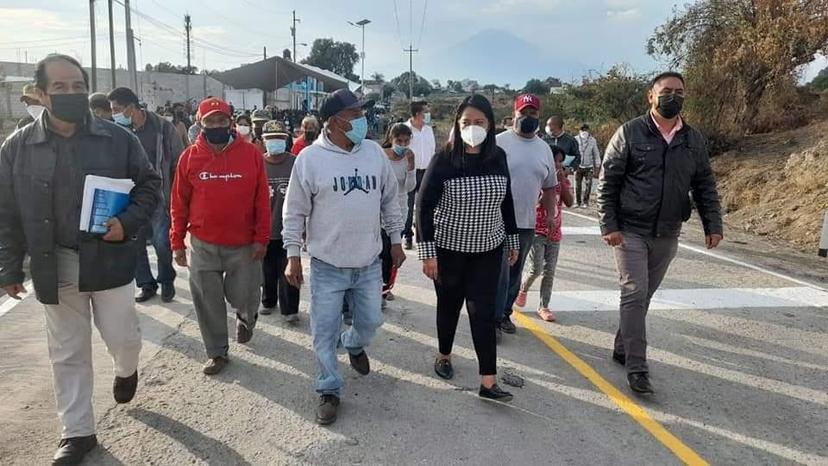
<point x="527" y="100"/>
<point x="213" y="105"/>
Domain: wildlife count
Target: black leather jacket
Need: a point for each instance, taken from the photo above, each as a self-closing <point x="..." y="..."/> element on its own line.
<point x="27" y="166"/>
<point x="645" y="182"/>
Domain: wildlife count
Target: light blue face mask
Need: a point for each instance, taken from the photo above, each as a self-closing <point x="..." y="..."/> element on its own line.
<point x="400" y="150"/>
<point x="427" y="118"/>
<point x="275" y="146"/>
<point x="359" y="129"/>
<point x="121" y="119"/>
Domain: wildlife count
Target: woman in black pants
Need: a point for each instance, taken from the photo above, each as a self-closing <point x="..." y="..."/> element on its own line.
<point x="465" y="219"/>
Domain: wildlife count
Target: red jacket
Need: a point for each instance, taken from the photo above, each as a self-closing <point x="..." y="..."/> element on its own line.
<point x="221" y="198"/>
<point x="298" y="144"/>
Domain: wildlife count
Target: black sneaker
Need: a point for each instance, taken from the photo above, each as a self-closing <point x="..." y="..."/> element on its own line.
<point x="444" y="369"/>
<point x="507" y="326"/>
<point x="145" y="295"/>
<point x="72" y="450"/>
<point x="640" y="383"/>
<point x="243" y="333"/>
<point x="495" y="393"/>
<point x="409" y="244"/>
<point x="167" y="292"/>
<point x="360" y="363"/>
<point x="620" y="358"/>
<point x="123" y="388"/>
<point x="326" y="411"/>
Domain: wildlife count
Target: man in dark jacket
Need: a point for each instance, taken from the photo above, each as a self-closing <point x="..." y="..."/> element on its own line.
<point x="651" y="164"/>
<point x="555" y="136"/>
<point x="42" y="172"/>
<point x="163" y="147"/>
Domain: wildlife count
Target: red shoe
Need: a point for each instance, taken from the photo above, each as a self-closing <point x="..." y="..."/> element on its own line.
<point x="521" y="299"/>
<point x="546" y="314"/>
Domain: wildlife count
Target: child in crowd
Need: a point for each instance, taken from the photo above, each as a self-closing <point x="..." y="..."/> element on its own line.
<point x="543" y="257"/>
<point x="396" y="146"/>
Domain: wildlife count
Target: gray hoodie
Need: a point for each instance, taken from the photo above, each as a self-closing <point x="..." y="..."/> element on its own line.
<point x="344" y="198"/>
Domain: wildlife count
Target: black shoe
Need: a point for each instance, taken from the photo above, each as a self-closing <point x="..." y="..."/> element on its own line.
<point x="145" y="295"/>
<point x="266" y="310"/>
<point x="167" y="292"/>
<point x="620" y="358"/>
<point x="360" y="363"/>
<point x="243" y="333"/>
<point x="498" y="335"/>
<point x="326" y="412"/>
<point x="640" y="383"/>
<point x="72" y="450"/>
<point x="507" y="326"/>
<point x="444" y="369"/>
<point x="495" y="393"/>
<point x="124" y="388"/>
<point x="409" y="244"/>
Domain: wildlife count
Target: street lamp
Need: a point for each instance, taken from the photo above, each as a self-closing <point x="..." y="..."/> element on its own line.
<point x="361" y="24"/>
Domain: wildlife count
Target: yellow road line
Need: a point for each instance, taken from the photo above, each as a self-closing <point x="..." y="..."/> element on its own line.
<point x="639" y="414"/>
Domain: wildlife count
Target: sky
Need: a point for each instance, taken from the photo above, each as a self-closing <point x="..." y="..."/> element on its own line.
<point x="498" y="41"/>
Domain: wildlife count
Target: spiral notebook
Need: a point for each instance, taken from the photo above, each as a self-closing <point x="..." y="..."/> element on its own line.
<point x="103" y="198"/>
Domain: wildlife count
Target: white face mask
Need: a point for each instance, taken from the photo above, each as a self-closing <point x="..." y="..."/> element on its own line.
<point x="35" y="110"/>
<point x="584" y="135"/>
<point x="473" y="135"/>
<point x="168" y="118"/>
<point x="243" y="130"/>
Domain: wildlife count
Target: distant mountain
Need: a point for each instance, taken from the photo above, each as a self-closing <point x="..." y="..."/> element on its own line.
<point x="499" y="57"/>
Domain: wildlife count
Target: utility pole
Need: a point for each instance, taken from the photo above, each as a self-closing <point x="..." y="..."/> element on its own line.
<point x="188" y="26"/>
<point x="293" y="33"/>
<point x="92" y="37"/>
<point x="410" y="50"/>
<point x="111" y="45"/>
<point x="361" y="24"/>
<point x="133" y="74"/>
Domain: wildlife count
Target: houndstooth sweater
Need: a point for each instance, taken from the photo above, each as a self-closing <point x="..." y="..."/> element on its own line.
<point x="466" y="208"/>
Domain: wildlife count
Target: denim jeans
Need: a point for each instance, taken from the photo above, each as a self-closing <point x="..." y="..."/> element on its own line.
<point x="330" y="286"/>
<point x="510" y="277"/>
<point x="158" y="232"/>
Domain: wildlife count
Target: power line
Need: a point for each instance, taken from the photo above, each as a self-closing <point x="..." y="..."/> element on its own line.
<point x="422" y="25"/>
<point x="397" y="20"/>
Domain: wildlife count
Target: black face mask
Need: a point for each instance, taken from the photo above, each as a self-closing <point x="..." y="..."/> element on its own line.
<point x="217" y="135"/>
<point x="71" y="108"/>
<point x="669" y="106"/>
<point x="528" y="125"/>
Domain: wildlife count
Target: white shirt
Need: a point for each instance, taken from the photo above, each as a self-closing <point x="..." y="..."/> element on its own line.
<point x="423" y="145"/>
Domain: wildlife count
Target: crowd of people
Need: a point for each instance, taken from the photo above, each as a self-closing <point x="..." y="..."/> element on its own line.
<point x="237" y="199"/>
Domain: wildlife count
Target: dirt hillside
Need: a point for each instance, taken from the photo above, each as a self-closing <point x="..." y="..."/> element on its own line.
<point x="776" y="184"/>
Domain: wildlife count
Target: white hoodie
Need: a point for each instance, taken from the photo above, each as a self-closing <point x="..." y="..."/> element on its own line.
<point x="344" y="198"/>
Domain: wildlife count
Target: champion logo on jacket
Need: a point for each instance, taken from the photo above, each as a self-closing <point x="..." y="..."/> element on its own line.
<point x="207" y="176"/>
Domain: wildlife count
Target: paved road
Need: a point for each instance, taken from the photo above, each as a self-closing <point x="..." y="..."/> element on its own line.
<point x="739" y="359"/>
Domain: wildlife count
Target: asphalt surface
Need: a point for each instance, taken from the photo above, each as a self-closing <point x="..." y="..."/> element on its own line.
<point x="738" y="358"/>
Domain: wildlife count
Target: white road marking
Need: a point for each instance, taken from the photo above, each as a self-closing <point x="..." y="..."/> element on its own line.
<point x="726" y="259"/>
<point x="10" y="303"/>
<point x="697" y="299"/>
<point x="581" y="231"/>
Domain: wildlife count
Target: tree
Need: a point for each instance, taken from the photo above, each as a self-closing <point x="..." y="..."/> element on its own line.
<point x="820" y="82"/>
<point x="339" y="57"/>
<point x="421" y="84"/>
<point x="377" y="77"/>
<point x="733" y="52"/>
<point x="435" y="83"/>
<point x="167" y="67"/>
<point x="490" y="89"/>
<point x="536" y="86"/>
